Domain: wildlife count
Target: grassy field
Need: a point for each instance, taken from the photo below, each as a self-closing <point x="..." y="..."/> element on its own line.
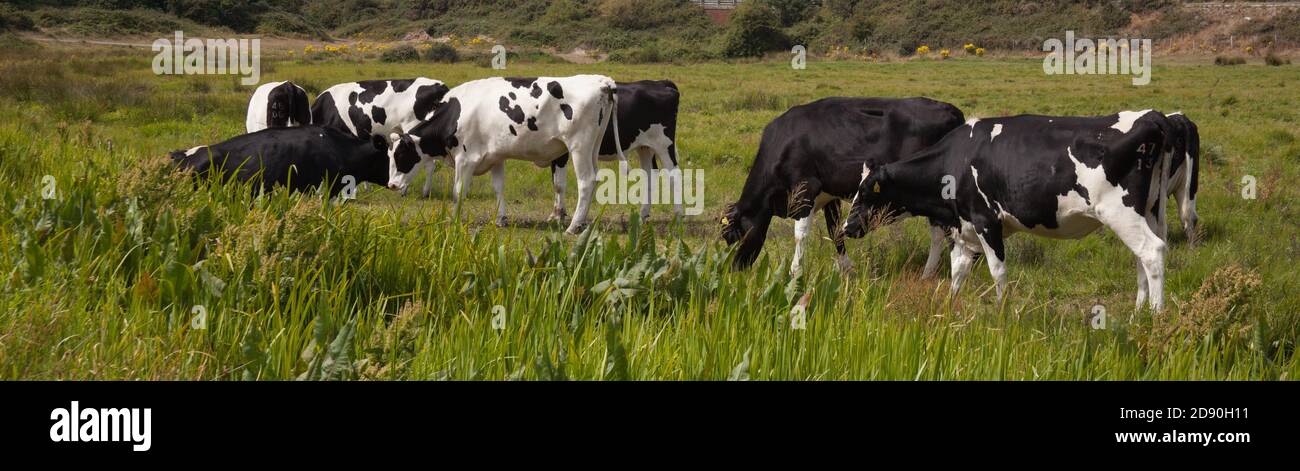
<point x="109" y="279"/>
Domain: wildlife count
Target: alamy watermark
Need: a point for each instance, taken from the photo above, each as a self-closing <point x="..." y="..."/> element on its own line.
<point x="195" y="56"/>
<point x="1099" y="57"/>
<point x="683" y="187"/>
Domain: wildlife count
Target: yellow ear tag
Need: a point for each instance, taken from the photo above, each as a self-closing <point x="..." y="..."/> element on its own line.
<point x="724" y="221"/>
<point x="876" y="188"/>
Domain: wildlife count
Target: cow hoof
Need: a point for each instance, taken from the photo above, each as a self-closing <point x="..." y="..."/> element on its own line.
<point x="502" y="222"/>
<point x="576" y="229"/>
<point x="557" y="216"/>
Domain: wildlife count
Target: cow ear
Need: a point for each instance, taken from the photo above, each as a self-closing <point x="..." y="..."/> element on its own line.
<point x="379" y="142"/>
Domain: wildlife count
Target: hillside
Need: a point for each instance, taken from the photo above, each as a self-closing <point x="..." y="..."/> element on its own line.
<point x="660" y="30"/>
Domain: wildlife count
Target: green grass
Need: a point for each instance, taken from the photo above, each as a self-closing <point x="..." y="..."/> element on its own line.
<point x="101" y="282"/>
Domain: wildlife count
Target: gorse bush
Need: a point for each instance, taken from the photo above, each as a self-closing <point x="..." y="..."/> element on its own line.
<point x="402" y="53"/>
<point x="444" y="53"/>
<point x="754" y="29"/>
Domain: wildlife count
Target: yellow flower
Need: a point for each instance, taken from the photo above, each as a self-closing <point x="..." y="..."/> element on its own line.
<point x="308" y="49"/>
<point x="943" y="53"/>
<point x="979" y="51"/>
<point x="969" y="47"/>
<point x="923" y="49"/>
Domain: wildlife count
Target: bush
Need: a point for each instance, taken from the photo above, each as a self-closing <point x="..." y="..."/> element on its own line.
<point x="1275" y="60"/>
<point x="755" y="29"/>
<point x="442" y="53"/>
<point x="1229" y="60"/>
<point x="289" y="25"/>
<point x="403" y="53"/>
<point x="14" y="20"/>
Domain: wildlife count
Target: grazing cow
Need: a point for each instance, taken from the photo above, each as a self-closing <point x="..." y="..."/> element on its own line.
<point x="380" y="107"/>
<point x="647" y="116"/>
<point x="1184" y="170"/>
<point x="300" y="158"/>
<point x="484" y="122"/>
<point x="1058" y="177"/>
<point x="810" y="158"/>
<point x="277" y="105"/>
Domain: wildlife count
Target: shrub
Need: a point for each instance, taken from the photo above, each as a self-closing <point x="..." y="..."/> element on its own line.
<point x="403" y="53"/>
<point x="755" y="29"/>
<point x="1229" y="60"/>
<point x="442" y="53"/>
<point x="1275" y="60"/>
<point x="289" y="25"/>
<point x="11" y="19"/>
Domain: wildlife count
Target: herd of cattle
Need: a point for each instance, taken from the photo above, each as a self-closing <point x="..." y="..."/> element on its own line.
<point x="976" y="181"/>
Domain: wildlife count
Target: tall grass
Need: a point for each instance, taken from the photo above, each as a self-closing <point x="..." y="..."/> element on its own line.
<point x="103" y="280"/>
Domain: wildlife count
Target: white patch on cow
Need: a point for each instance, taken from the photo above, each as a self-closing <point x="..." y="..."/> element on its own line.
<point x="997" y="129"/>
<point x="1176" y="113"/>
<point x="971" y="122"/>
<point x="192" y="150"/>
<point x="975" y="175"/>
<point x="1126" y="119"/>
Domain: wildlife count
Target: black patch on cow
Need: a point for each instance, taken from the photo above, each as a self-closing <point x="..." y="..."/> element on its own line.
<point x="404" y="155"/>
<point x="536" y="92"/>
<point x="512" y="130"/>
<point x="371" y="88"/>
<point x="521" y="82"/>
<point x="515" y="113"/>
<point x="378" y="115"/>
<point x="513" y="97"/>
<point x="427" y="99"/>
<point x="532" y="123"/>
<point x="555" y="89"/>
<point x="358" y="117"/>
<point x="567" y="110"/>
<point x="438" y="134"/>
<point x="400" y="86"/>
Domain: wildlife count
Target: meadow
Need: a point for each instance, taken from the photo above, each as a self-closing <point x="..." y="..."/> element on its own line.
<point x="131" y="272"/>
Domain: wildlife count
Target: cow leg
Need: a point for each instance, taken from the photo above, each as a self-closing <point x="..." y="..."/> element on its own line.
<point x="646" y="157"/>
<point x="832" y="213"/>
<point x="995" y="253"/>
<point x="428" y="177"/>
<point x="669" y="168"/>
<point x="560" y="182"/>
<point x="1137" y="233"/>
<point x="583" y="155"/>
<point x="936" y="252"/>
<point x="802" y="204"/>
<point x="464" y="172"/>
<point x="499" y="186"/>
<point x="963" y="257"/>
<point x="801" y="229"/>
<point x="1185" y="200"/>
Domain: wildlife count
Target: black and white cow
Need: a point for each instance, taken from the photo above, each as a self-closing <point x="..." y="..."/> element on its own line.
<point x="299" y="158"/>
<point x="647" y="117"/>
<point x="484" y="122"/>
<point x="1184" y="170"/>
<point x="1058" y="177"/>
<point x="380" y="108"/>
<point x="277" y="105"/>
<point x="811" y="157"/>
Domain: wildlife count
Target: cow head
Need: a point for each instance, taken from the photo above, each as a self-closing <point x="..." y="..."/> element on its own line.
<point x="404" y="154"/>
<point x="733" y="229"/>
<point x="869" y="209"/>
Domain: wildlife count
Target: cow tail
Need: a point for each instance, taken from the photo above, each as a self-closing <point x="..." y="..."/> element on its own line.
<point x="1160" y="175"/>
<point x="618" y="141"/>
